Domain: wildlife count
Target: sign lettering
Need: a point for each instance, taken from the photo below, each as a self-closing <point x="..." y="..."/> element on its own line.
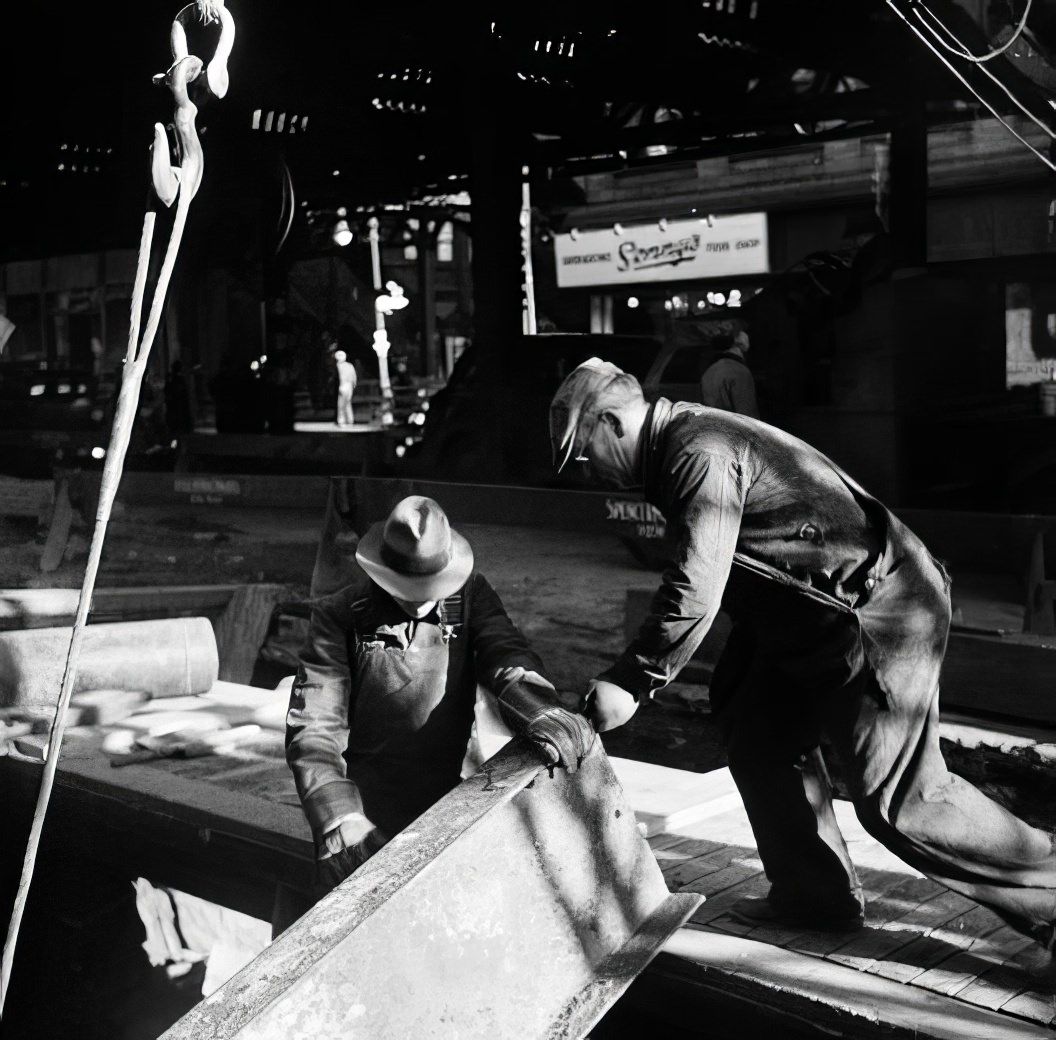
<point x="679" y="251"/>
<point x="204" y="489"/>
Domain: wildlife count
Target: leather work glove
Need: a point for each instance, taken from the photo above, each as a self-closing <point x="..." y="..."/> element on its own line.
<point x="608" y="705"/>
<point x="564" y="737"/>
<point x="345" y="848"/>
<point x="350" y="833"/>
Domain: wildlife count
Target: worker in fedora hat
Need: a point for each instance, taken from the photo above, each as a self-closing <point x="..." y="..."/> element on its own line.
<point x="382" y="707"/>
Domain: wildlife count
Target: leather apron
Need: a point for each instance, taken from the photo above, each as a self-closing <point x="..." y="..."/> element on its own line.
<point x="409" y="720"/>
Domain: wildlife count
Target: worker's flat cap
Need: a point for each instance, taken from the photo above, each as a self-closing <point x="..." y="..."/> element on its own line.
<point x="591" y="388"/>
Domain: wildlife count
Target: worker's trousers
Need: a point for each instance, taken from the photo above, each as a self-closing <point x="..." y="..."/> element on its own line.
<point x="786" y="681"/>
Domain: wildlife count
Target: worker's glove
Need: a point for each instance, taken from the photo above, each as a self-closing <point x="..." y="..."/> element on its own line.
<point x="564" y="737"/>
<point x="608" y="705"/>
<point x="354" y="834"/>
<point x="345" y="848"/>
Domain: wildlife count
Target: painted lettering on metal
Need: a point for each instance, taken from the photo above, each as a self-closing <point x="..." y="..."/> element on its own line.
<point x="206" y="489"/>
<point x="648" y="521"/>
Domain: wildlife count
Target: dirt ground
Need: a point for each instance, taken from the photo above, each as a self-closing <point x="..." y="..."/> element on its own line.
<point x="567" y="592"/>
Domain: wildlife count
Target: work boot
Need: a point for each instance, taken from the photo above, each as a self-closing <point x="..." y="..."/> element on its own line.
<point x="758" y="910"/>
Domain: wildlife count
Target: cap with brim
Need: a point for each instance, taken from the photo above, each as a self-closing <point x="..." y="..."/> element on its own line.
<point x="585" y="393"/>
<point x="415" y="555"/>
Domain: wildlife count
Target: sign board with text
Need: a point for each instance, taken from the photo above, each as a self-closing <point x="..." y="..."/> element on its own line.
<point x="680" y="250"/>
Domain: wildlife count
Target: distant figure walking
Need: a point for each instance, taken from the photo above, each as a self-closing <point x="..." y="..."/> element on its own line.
<point x="346" y="387"/>
<point x="727" y="383"/>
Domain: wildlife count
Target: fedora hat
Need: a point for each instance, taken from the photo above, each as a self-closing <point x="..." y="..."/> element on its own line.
<point x="414" y="555"/>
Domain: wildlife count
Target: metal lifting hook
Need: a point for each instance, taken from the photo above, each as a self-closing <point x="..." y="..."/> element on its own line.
<point x="185" y="71"/>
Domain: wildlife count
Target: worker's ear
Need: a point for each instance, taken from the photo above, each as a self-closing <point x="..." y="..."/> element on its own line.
<point x="614" y="421"/>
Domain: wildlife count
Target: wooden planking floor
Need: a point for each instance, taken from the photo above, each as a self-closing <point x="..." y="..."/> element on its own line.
<point x="920" y="939"/>
<point x="917" y="932"/>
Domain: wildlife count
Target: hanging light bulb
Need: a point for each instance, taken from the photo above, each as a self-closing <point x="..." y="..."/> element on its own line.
<point x="342" y="233"/>
<point x="392" y="300"/>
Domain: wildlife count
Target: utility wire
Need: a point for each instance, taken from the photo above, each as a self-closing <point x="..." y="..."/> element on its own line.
<point x="990" y="55"/>
<point x="986" y="104"/>
<point x="996" y="79"/>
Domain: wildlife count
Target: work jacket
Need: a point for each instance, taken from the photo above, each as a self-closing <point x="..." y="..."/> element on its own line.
<point x="382" y="705"/>
<point x="765" y="519"/>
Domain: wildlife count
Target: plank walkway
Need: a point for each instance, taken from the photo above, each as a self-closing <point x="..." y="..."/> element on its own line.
<point x="953" y="958"/>
<point x="929" y="964"/>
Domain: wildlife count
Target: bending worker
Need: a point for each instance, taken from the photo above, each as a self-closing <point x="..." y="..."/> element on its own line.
<point x="382" y="706"/>
<point x="839" y="623"/>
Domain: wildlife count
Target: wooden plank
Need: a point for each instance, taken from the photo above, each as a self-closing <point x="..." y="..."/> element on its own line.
<point x="917" y="931"/>
<point x="671" y="853"/>
<point x="37" y="608"/>
<point x="929" y="949"/>
<point x="821" y="943"/>
<point x="876" y="882"/>
<point x="976" y="665"/>
<point x="715" y="913"/>
<point x="58" y="530"/>
<point x="890" y="918"/>
<point x="833" y="998"/>
<point x="1006" y="978"/>
<point x="667" y="840"/>
<point x="241" y="629"/>
<point x="980" y="953"/>
<point x="709" y="865"/>
<point x="1037" y="1007"/>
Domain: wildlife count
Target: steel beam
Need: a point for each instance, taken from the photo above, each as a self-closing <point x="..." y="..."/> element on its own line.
<point x="521" y="905"/>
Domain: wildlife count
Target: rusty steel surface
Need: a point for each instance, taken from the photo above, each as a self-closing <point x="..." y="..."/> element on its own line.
<point x="521" y="905"/>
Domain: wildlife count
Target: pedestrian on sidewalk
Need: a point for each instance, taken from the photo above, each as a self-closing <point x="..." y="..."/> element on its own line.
<point x="346" y="387"/>
<point x="727" y="382"/>
<point x="840" y="620"/>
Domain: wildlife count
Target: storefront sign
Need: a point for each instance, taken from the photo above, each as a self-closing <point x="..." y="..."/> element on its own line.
<point x="678" y="250"/>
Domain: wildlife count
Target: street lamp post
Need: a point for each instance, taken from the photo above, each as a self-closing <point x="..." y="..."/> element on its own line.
<point x="529" y="322"/>
<point x="381" y="336"/>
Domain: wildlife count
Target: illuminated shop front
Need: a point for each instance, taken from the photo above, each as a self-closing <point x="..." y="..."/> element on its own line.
<point x="654" y="278"/>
